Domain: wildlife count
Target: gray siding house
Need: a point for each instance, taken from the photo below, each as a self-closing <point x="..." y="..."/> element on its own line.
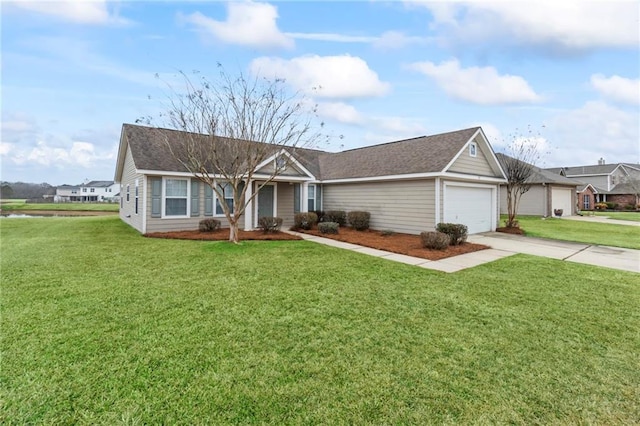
<point x="548" y="191"/>
<point x="408" y="186"/>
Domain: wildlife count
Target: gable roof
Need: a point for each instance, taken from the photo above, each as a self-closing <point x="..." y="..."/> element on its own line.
<point x="425" y="154"/>
<point x="99" y="183"/>
<point x="539" y="175"/>
<point x="592" y="170"/>
<point x="421" y="155"/>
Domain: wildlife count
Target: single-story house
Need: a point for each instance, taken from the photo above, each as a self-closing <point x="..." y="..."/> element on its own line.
<point x="548" y="192"/>
<point x="408" y="186"/>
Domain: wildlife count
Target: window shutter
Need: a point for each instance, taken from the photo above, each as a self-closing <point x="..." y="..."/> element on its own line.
<point x="208" y="201"/>
<point x="296" y="197"/>
<point x="318" y="197"/>
<point x="156" y="197"/>
<point x="195" y="198"/>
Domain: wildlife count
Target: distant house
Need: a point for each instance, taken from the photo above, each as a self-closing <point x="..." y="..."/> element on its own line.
<point x="548" y="192"/>
<point x="93" y="191"/>
<point x="617" y="183"/>
<point x="407" y="186"/>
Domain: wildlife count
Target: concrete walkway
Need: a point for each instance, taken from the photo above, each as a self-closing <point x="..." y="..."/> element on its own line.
<point x="601" y="219"/>
<point x="504" y="245"/>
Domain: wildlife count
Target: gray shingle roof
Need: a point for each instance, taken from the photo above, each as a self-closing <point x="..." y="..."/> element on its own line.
<point x="543" y="175"/>
<point x="426" y="154"/>
<point x="99" y="183"/>
<point x="598" y="169"/>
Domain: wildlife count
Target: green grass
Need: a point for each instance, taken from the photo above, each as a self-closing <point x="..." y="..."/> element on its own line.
<point x="580" y="231"/>
<point x="18" y="205"/>
<point x="632" y="216"/>
<point x="103" y="326"/>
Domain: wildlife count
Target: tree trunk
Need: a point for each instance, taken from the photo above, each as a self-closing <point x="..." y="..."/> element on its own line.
<point x="234" y="236"/>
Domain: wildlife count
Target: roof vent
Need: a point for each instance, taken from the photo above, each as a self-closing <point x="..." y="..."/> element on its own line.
<point x="601" y="162"/>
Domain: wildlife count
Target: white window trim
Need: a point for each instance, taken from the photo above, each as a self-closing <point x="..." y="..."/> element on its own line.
<point x="315" y="189"/>
<point x="473" y="149"/>
<point x="163" y="214"/>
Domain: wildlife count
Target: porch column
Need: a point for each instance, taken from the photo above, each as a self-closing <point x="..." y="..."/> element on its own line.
<point x="304" y="197"/>
<point x="248" y="211"/>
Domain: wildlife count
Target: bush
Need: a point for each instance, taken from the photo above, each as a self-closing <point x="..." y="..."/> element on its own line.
<point x="269" y="224"/>
<point x="456" y="231"/>
<point x="209" y="225"/>
<point x="611" y="206"/>
<point x="630" y="206"/>
<point x="600" y="206"/>
<point x="337" y="216"/>
<point x="435" y="240"/>
<point x="387" y="232"/>
<point x="320" y="214"/>
<point x="328" y="227"/>
<point x="359" y="220"/>
<point x="305" y="220"/>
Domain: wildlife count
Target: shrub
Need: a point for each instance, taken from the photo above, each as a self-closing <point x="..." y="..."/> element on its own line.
<point x="328" y="227"/>
<point x="456" y="231"/>
<point x="600" y="206"/>
<point x="630" y="206"/>
<point x="359" y="220"/>
<point x="209" y="225"/>
<point x="387" y="232"/>
<point x="435" y="240"/>
<point x="305" y="220"/>
<point x="611" y="206"/>
<point x="320" y="214"/>
<point x="337" y="216"/>
<point x="269" y="224"/>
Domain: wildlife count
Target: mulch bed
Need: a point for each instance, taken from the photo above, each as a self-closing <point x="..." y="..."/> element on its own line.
<point x="223" y="235"/>
<point x="407" y="244"/>
<point x="512" y="230"/>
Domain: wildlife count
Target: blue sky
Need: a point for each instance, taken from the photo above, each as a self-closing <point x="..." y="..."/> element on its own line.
<point x="73" y="72"/>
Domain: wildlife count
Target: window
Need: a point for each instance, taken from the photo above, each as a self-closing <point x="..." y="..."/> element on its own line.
<point x="175" y="197"/>
<point x="128" y="193"/>
<point x="311" y="198"/>
<point x="84" y="189"/>
<point x="227" y="190"/>
<point x="92" y="190"/>
<point x="586" y="202"/>
<point x="473" y="149"/>
<point x="280" y="163"/>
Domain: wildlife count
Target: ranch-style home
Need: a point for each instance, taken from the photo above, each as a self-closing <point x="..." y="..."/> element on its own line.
<point x="408" y="186"/>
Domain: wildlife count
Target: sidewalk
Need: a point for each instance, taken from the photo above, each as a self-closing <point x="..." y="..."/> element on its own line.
<point x="504" y="245"/>
<point x="602" y="219"/>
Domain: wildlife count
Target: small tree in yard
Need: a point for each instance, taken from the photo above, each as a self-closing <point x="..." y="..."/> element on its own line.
<point x="518" y="163"/>
<point x="229" y="128"/>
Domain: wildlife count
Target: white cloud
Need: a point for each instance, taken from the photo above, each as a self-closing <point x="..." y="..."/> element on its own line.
<point x="6" y="148"/>
<point x="479" y="85"/>
<point x="94" y="12"/>
<point x="387" y="40"/>
<point x="248" y="24"/>
<point x="595" y="130"/>
<point x="336" y="77"/>
<point x="341" y="112"/>
<point x="78" y="154"/>
<point x="568" y="25"/>
<point x="333" y="37"/>
<point x="617" y="88"/>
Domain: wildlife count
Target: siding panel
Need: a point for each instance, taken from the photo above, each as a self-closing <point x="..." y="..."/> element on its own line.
<point x="129" y="176"/>
<point x="478" y="165"/>
<point x="403" y="206"/>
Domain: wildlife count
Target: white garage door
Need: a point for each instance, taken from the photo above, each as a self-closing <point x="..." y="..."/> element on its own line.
<point x="471" y="206"/>
<point x="561" y="199"/>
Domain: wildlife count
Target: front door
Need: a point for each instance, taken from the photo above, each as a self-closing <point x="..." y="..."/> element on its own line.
<point x="265" y="201"/>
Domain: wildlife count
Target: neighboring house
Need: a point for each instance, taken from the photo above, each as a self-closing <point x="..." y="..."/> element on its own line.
<point x="94" y="191"/>
<point x="587" y="195"/>
<point x="615" y="183"/>
<point x="407" y="186"/>
<point x="548" y="192"/>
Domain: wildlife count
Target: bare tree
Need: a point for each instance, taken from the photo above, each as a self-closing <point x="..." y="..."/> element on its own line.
<point x="230" y="127"/>
<point x="518" y="162"/>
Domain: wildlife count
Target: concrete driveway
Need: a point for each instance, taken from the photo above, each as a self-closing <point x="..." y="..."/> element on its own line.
<point x="608" y="257"/>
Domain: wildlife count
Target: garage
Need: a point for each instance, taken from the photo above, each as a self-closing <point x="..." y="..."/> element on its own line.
<point x="470" y="205"/>
<point x="561" y="198"/>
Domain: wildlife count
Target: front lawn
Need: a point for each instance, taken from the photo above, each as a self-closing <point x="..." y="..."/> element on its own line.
<point x="106" y="207"/>
<point x="632" y="216"/>
<point x="581" y="231"/>
<point x="103" y="326"/>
